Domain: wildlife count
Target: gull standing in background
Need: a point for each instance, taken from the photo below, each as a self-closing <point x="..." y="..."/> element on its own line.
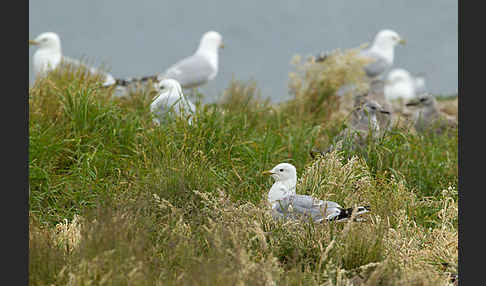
<point x="428" y="117"/>
<point x="287" y="204"/>
<point x="363" y="121"/>
<point x="192" y="71"/>
<point x="170" y="99"/>
<point x="401" y="84"/>
<point x="380" y="54"/>
<point x="48" y="56"/>
<point x="376" y="92"/>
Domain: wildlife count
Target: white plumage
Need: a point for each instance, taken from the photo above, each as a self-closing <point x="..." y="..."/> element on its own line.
<point x="287" y="204"/>
<point x="49" y="56"/>
<point x="170" y="101"/>
<point x="381" y="53"/>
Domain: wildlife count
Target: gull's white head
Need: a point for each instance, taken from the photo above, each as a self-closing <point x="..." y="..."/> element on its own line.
<point x="387" y="39"/>
<point x="385" y="42"/>
<point x="399" y="84"/>
<point x="211" y="42"/>
<point x="169" y="86"/>
<point x="283" y="172"/>
<point x="48" y="40"/>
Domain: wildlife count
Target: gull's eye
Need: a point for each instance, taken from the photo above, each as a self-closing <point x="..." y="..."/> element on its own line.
<point x="281" y="170"/>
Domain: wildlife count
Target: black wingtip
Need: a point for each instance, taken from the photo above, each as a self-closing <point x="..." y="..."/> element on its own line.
<point x="346" y="213"/>
<point x="320" y="58"/>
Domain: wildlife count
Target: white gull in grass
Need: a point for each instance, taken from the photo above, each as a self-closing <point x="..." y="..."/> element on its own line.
<point x="171" y="100"/>
<point x="287" y="204"/>
<point x="48" y="56"/>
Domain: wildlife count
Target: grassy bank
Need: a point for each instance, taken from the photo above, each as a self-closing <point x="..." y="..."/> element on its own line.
<point x="116" y="200"/>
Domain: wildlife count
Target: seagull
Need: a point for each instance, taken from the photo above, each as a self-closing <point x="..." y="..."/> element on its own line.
<point x="287" y="204"/>
<point x="428" y="117"/>
<point x="170" y="99"/>
<point x="401" y="84"/>
<point x="381" y="53"/>
<point x="193" y="71"/>
<point x="48" y="56"/>
<point x="376" y="92"/>
<point x="363" y="121"/>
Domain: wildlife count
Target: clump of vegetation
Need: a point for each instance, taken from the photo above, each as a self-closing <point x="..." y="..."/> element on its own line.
<point x="115" y="199"/>
<point x="315" y="84"/>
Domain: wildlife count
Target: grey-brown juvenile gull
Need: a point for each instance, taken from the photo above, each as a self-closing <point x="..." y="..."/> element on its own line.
<point x="363" y="124"/>
<point x="428" y="118"/>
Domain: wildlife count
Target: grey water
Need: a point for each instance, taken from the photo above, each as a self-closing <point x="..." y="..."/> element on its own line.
<point x="138" y="38"/>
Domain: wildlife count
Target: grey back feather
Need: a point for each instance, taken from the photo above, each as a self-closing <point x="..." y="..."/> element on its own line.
<point x="190" y="72"/>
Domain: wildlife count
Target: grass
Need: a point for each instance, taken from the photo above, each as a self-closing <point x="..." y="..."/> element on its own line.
<point x="116" y="200"/>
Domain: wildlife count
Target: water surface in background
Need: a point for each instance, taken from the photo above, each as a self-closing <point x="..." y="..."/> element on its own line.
<point x="136" y="38"/>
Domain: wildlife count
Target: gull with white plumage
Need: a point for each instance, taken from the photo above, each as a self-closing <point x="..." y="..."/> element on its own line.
<point x="380" y="54"/>
<point x="171" y="101"/>
<point x="401" y="84"/>
<point x="192" y="71"/>
<point x="48" y="57"/>
<point x="287" y="204"/>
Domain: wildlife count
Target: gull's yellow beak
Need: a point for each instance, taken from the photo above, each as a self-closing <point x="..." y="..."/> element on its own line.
<point x="267" y="173"/>
<point x="221" y="46"/>
<point x="402" y="42"/>
<point x="32" y="42"/>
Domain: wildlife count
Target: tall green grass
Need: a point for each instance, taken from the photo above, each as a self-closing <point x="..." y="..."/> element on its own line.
<point x="115" y="199"/>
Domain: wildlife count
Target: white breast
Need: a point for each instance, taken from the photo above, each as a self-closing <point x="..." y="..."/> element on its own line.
<point x="45" y="60"/>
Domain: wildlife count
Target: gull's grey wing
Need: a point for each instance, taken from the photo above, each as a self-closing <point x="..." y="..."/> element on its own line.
<point x="304" y="206"/>
<point x="192" y="71"/>
<point x="378" y="66"/>
<point x="109" y="79"/>
<point x="314" y="206"/>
